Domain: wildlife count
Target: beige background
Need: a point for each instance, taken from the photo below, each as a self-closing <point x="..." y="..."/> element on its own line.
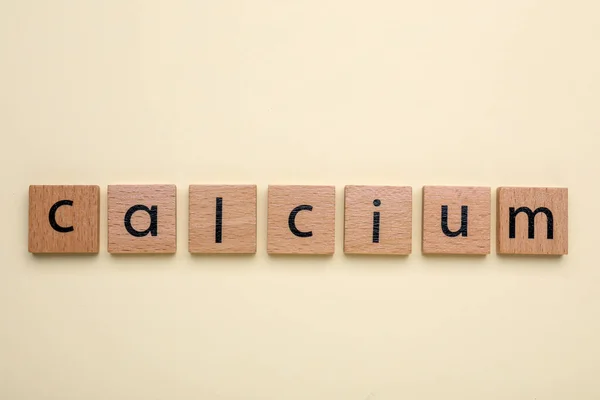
<point x="299" y="92"/>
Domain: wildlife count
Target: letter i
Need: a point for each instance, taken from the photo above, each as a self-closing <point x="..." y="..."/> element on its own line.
<point x="376" y="203"/>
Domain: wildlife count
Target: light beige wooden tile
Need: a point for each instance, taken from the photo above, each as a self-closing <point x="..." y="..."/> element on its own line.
<point x="301" y="220"/>
<point x="64" y="219"/>
<point x="222" y="219"/>
<point x="532" y="220"/>
<point x="145" y="207"/>
<point x="378" y="220"/>
<point x="456" y="220"/>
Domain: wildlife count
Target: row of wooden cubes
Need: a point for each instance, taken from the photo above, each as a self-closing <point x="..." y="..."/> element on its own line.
<point x="301" y="219"/>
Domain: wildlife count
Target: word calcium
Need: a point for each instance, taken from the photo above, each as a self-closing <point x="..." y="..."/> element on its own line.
<point x="300" y="219"/>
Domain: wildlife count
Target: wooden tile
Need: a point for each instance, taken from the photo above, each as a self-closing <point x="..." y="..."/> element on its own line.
<point x="456" y="220"/>
<point x="64" y="219"/>
<point x="142" y="219"/>
<point x="378" y="220"/>
<point x="222" y="219"/>
<point x="301" y="220"/>
<point x="532" y="220"/>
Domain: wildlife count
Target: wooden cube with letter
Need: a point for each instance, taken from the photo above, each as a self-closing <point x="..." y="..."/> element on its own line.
<point x="456" y="220"/>
<point x="142" y="219"/>
<point x="301" y="220"/>
<point x="64" y="219"/>
<point x="222" y="219"/>
<point x="378" y="220"/>
<point x="532" y="220"/>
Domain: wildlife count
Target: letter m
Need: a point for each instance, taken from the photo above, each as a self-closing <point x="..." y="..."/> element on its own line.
<point x="531" y="216"/>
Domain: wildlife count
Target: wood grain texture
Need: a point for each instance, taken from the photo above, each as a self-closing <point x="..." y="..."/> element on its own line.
<point x="237" y="233"/>
<point x="83" y="216"/>
<point x="389" y="232"/>
<point x="555" y="200"/>
<point x="320" y="221"/>
<point x="477" y="201"/>
<point x="121" y="198"/>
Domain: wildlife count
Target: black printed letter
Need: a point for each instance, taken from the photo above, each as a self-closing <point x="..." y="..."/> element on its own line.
<point x="152" y="229"/>
<point x="464" y="213"/>
<point x="292" y="221"/>
<point x="52" y="216"/>
<point x="376" y="203"/>
<point x="531" y="216"/>
<point x="219" y="221"/>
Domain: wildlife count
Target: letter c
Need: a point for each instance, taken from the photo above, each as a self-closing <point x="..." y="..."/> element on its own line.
<point x="52" y="216"/>
<point x="292" y="221"/>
